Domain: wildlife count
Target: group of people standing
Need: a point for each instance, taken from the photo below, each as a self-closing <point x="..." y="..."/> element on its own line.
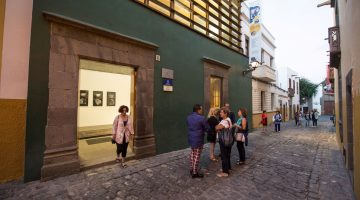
<point x="220" y="121"/>
<point x="312" y="115"/>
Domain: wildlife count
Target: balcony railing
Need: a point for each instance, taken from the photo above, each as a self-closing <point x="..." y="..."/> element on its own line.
<point x="334" y="43"/>
<point x="291" y="92"/>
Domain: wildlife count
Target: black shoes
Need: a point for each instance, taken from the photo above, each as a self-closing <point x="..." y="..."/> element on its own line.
<point x="197" y="175"/>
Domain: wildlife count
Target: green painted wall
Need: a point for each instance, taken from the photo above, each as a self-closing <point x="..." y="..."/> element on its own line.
<point x="180" y="49"/>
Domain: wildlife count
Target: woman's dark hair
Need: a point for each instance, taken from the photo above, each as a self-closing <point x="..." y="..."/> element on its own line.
<point x="122" y="107"/>
<point x="243" y="112"/>
<point x="264" y="111"/>
<point x="225" y="110"/>
<point x="196" y="107"/>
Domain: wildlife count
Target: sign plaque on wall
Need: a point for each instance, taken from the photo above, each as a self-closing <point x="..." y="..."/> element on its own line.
<point x="167" y="73"/>
<point x="168" y="76"/>
<point x="168" y="85"/>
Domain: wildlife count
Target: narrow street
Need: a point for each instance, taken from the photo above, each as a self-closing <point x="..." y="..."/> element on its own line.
<point x="297" y="163"/>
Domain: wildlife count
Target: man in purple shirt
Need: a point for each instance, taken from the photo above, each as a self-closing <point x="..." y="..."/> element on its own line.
<point x="196" y="125"/>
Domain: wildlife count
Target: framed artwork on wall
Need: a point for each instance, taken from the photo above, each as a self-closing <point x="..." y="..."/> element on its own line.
<point x="84" y="97"/>
<point x="97" y="98"/>
<point x="111" y="99"/>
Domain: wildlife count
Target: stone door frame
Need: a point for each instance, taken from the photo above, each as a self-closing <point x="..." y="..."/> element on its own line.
<point x="214" y="68"/>
<point x="72" y="40"/>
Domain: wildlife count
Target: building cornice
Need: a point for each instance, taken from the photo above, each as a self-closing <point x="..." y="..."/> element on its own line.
<point x="53" y="17"/>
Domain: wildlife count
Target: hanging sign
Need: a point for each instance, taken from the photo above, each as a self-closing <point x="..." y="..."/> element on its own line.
<point x="255" y="31"/>
<point x="167" y="85"/>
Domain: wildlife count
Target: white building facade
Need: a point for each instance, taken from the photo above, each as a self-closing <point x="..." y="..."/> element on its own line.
<point x="266" y="93"/>
<point x="289" y="80"/>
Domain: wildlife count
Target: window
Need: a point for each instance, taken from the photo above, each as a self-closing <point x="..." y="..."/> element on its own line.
<point x="289" y="82"/>
<point x="247" y="44"/>
<point x="293" y="84"/>
<point x="297" y="87"/>
<point x="272" y="101"/>
<point x="215" y="92"/>
<point x="271" y="61"/>
<point x="262" y="100"/>
<point x="217" y="19"/>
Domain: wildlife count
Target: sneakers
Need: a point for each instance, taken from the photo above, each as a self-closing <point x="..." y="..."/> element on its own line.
<point x="240" y="162"/>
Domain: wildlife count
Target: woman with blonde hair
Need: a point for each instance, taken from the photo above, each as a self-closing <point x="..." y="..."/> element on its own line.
<point x="213" y="121"/>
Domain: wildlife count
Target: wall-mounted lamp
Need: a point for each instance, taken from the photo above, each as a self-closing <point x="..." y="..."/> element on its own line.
<point x="252" y="66"/>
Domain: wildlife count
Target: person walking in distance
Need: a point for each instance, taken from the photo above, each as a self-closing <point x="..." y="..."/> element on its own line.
<point x="242" y="130"/>
<point x="307" y="118"/>
<point x="313" y="117"/>
<point x="122" y="129"/>
<point x="297" y="117"/>
<point x="213" y="121"/>
<point x="196" y="124"/>
<point x="264" y="121"/>
<point x="277" y="120"/>
<point x="316" y="117"/>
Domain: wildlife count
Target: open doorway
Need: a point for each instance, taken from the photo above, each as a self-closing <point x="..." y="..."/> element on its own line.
<point x="103" y="88"/>
<point x="350" y="134"/>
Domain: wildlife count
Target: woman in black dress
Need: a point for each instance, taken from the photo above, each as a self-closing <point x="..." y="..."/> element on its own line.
<point x="213" y="120"/>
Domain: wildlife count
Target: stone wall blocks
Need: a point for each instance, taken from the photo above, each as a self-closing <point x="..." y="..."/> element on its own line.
<point x="145" y="99"/>
<point x="56" y="99"/>
<point x="60" y="45"/>
<point x="62" y="80"/>
<point x="120" y="56"/>
<point x="61" y="116"/>
<point x="52" y="136"/>
<point x="110" y="43"/>
<point x="71" y="98"/>
<point x="84" y="49"/>
<point x="57" y="62"/>
<point x="72" y="64"/>
<point x="74" y="33"/>
<point x="105" y="53"/>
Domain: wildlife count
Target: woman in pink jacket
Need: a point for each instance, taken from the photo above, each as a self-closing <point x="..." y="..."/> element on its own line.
<point x="122" y="129"/>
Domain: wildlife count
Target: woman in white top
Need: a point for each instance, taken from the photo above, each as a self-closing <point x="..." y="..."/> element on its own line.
<point x="225" y="151"/>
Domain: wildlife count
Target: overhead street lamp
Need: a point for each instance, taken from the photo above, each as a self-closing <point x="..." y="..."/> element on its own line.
<point x="252" y="66"/>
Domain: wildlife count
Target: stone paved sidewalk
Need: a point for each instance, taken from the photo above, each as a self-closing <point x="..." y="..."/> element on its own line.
<point x="297" y="163"/>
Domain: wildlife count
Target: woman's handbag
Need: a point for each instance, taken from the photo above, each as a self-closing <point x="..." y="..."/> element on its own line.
<point x="240" y="137"/>
<point x="226" y="136"/>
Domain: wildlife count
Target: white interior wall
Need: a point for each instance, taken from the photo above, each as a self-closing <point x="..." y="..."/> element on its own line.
<point x="107" y="82"/>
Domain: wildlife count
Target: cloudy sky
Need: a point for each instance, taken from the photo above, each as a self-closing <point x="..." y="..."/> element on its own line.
<point x="299" y="28"/>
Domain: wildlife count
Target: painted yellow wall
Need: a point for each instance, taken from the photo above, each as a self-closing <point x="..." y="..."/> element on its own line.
<point x="349" y="15"/>
<point x="357" y="143"/>
<point x="2" y="18"/>
<point x="12" y="142"/>
<point x="257" y="119"/>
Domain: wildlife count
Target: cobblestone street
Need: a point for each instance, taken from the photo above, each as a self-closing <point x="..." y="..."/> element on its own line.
<point x="297" y="163"/>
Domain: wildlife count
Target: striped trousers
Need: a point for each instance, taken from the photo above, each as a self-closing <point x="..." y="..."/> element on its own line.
<point x="195" y="159"/>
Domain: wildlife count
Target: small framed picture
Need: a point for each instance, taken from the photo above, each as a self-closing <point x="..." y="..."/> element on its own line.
<point x="84" y="97"/>
<point x="97" y="98"/>
<point x="111" y="99"/>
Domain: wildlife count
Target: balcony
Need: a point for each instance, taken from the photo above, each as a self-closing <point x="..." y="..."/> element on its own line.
<point x="265" y="73"/>
<point x="291" y="92"/>
<point x="334" y="43"/>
